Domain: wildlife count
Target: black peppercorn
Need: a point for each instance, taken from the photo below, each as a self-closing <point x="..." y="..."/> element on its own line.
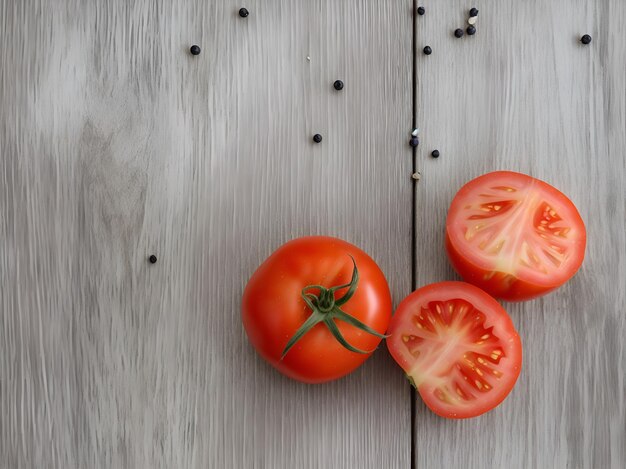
<point x="471" y="30"/>
<point x="458" y="32"/>
<point x="586" y="39"/>
<point x="338" y="85"/>
<point x="435" y="154"/>
<point x="421" y="10"/>
<point x="414" y="142"/>
<point x="317" y="138"/>
<point x="152" y="259"/>
<point x="473" y="12"/>
<point x="428" y="50"/>
<point x="243" y="12"/>
<point x="195" y="50"/>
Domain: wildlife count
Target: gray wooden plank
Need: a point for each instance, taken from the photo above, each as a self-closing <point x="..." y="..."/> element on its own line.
<point x="116" y="144"/>
<point x="524" y="94"/>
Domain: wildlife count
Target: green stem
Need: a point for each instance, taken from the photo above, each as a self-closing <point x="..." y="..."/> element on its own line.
<point x="325" y="309"/>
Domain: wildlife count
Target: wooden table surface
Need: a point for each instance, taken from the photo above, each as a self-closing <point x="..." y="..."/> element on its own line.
<point x="116" y="143"/>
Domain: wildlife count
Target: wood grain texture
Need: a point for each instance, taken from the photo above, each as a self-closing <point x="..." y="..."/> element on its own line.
<point x="523" y="94"/>
<point x="116" y="144"/>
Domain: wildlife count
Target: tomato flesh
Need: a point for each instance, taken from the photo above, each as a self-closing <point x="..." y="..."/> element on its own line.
<point x="514" y="236"/>
<point x="458" y="346"/>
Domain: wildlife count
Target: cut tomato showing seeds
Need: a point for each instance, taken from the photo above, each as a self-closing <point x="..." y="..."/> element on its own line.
<point x="514" y="236"/>
<point x="458" y="347"/>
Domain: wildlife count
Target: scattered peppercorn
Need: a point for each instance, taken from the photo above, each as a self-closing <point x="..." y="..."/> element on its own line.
<point x="471" y="30"/>
<point x="338" y="85"/>
<point x="195" y="50"/>
<point x="414" y="142"/>
<point x="421" y="10"/>
<point x="586" y="39"/>
<point x="458" y="32"/>
<point x="243" y="12"/>
<point x="317" y="138"/>
<point x="474" y="12"/>
<point x="435" y="154"/>
<point x="152" y="259"/>
<point x="428" y="50"/>
<point x="472" y="20"/>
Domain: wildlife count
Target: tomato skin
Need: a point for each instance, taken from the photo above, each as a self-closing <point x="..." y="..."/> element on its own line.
<point x="273" y="309"/>
<point x="480" y="268"/>
<point x="417" y="365"/>
<point x="499" y="285"/>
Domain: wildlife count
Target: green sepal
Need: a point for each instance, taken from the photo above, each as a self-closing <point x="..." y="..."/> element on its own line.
<point x="325" y="308"/>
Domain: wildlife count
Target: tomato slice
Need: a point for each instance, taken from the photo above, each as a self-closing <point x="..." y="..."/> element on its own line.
<point x="514" y="236"/>
<point x="458" y="346"/>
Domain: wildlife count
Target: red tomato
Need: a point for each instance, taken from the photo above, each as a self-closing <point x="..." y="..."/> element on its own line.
<point x="293" y="287"/>
<point x="457" y="346"/>
<point x="514" y="236"/>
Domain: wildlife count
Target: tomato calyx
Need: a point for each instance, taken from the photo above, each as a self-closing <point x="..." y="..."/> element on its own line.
<point x="325" y="308"/>
<point x="411" y="380"/>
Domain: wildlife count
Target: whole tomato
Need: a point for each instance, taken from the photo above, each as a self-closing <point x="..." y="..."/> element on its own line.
<point x="317" y="308"/>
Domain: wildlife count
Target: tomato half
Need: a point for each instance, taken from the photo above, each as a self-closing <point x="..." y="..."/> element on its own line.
<point x="301" y="323"/>
<point x="458" y="346"/>
<point x="514" y="236"/>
